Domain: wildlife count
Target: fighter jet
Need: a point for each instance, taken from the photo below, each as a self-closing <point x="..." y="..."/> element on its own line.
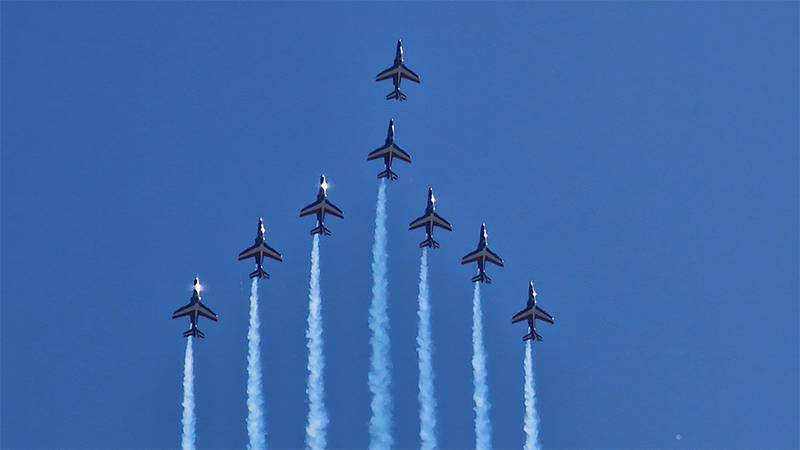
<point x="531" y="313"/>
<point x="258" y="251"/>
<point x="397" y="72"/>
<point x="429" y="220"/>
<point x="194" y="310"/>
<point x="321" y="207"/>
<point x="482" y="255"/>
<point x="388" y="152"/>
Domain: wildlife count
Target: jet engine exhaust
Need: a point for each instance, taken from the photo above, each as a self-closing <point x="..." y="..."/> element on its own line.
<point x="255" y="400"/>
<point x="188" y="420"/>
<point x="379" y="371"/>
<point x="427" y="399"/>
<point x="483" y="427"/>
<point x="531" y="418"/>
<point x="315" y="388"/>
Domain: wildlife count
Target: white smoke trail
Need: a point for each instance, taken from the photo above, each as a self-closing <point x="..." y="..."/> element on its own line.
<point x="255" y="400"/>
<point x="483" y="427"/>
<point x="317" y="414"/>
<point x="531" y="418"/>
<point x="427" y="400"/>
<point x="188" y="419"/>
<point x="379" y="371"/>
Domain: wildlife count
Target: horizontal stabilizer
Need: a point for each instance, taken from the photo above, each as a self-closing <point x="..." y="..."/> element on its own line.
<point x="396" y="95"/>
<point x="388" y="174"/>
<point x="259" y="273"/>
<point x="194" y="331"/>
<point x="532" y="336"/>
<point x="481" y="278"/>
<point x="321" y="230"/>
<point x="430" y="243"/>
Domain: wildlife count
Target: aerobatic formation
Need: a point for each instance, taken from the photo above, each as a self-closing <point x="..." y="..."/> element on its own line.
<point x="380" y="376"/>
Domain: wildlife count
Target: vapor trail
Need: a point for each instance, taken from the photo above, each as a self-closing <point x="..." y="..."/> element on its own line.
<point x="379" y="372"/>
<point x="255" y="400"/>
<point x="317" y="413"/>
<point x="483" y="427"/>
<point x="427" y="400"/>
<point x="531" y="418"/>
<point x="188" y="419"/>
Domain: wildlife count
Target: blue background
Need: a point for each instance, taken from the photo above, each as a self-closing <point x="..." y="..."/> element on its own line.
<point x="639" y="161"/>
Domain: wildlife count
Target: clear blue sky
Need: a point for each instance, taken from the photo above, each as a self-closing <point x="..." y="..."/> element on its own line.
<point x="639" y="160"/>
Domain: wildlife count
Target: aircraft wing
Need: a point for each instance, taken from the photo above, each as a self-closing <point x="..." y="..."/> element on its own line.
<point x="183" y="311"/>
<point x="441" y="223"/>
<point x="525" y="314"/>
<point x="419" y="222"/>
<point x="204" y="311"/>
<point x="388" y="73"/>
<point x="379" y="152"/>
<point x="542" y="315"/>
<point x="249" y="252"/>
<point x="330" y="208"/>
<point x="311" y="209"/>
<point x="408" y="74"/>
<point x="271" y="253"/>
<point x="401" y="154"/>
<point x="471" y="257"/>
<point x="263" y="249"/>
<point x="494" y="258"/>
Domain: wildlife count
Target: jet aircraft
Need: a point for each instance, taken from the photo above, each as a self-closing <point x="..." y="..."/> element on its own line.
<point x="194" y="310"/>
<point x="258" y="251"/>
<point x="429" y="220"/>
<point x="388" y="152"/>
<point x="321" y="207"/>
<point x="531" y="313"/>
<point x="397" y="72"/>
<point x="482" y="255"/>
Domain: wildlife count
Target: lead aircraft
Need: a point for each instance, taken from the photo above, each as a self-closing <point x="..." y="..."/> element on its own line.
<point x="397" y="72"/>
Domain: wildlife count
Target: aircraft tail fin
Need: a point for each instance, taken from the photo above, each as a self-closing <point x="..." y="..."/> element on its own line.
<point x="533" y="335"/>
<point x="321" y="229"/>
<point x="388" y="174"/>
<point x="482" y="278"/>
<point x="396" y="95"/>
<point x="259" y="273"/>
<point x="194" y="331"/>
<point x="430" y="243"/>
